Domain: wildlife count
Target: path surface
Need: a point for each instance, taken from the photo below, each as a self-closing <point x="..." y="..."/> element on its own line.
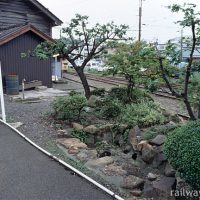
<point x="28" y="174"/>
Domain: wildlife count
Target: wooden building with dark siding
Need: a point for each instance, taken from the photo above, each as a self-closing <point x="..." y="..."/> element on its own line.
<point x="23" y="25"/>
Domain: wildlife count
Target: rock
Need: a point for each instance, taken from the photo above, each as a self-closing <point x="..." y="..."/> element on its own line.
<point x="73" y="150"/>
<point x="160" y="158"/>
<point x="147" y="150"/>
<point x="77" y="127"/>
<point x="131" y="169"/>
<point x="132" y="182"/>
<point x="159" y="140"/>
<point x="134" y="132"/>
<point x="169" y="171"/>
<point x="86" y="155"/>
<point x="16" y="125"/>
<point x="72" y="142"/>
<point x="106" y="128"/>
<point x="136" y="193"/>
<point x="162" y="188"/>
<point x="127" y="149"/>
<point x="91" y="129"/>
<point x="152" y="176"/>
<point x="100" y="162"/>
<point x="114" y="170"/>
<point x="92" y="100"/>
<point x="63" y="133"/>
<point x="148" y="190"/>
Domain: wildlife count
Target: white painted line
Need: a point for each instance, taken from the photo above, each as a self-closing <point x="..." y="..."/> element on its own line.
<point x="65" y="164"/>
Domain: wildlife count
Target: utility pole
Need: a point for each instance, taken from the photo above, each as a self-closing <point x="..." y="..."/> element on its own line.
<point x="140" y="20"/>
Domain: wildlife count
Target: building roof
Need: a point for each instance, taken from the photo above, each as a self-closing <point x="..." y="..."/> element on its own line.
<point x="12" y="33"/>
<point x="46" y="12"/>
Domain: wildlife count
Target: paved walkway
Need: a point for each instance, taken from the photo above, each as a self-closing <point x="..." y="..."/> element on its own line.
<point x="28" y="174"/>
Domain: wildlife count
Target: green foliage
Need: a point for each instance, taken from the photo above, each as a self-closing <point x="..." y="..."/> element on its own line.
<point x="131" y="60"/>
<point x="143" y="114"/>
<point x="111" y="109"/>
<point x="120" y="93"/>
<point x="68" y="107"/>
<point x="182" y="149"/>
<point x="159" y="130"/>
<point x="153" y="85"/>
<point x="73" y="93"/>
<point x="98" y="92"/>
<point x="81" y="135"/>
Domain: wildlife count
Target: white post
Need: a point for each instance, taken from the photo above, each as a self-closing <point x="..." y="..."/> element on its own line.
<point x="2" y="97"/>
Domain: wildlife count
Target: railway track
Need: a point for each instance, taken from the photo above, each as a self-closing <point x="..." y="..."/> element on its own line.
<point x="117" y="81"/>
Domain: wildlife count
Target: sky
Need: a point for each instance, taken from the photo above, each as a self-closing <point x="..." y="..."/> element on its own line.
<point x="158" y="21"/>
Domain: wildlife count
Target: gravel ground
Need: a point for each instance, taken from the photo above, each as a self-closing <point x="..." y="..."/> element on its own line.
<point x="31" y="115"/>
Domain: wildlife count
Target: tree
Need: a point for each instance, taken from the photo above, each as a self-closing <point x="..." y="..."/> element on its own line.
<point x="82" y="42"/>
<point x="190" y="19"/>
<point x="135" y="61"/>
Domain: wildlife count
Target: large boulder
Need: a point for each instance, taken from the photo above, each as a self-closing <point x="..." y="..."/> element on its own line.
<point x="163" y="187"/>
<point x="91" y="129"/>
<point x="92" y="101"/>
<point x="147" y="151"/>
<point x="114" y="170"/>
<point x="133" y="137"/>
<point x="77" y="127"/>
<point x="100" y="162"/>
<point x="70" y="143"/>
<point x="86" y="155"/>
<point x="132" y="182"/>
<point x="159" y="140"/>
<point x="169" y="171"/>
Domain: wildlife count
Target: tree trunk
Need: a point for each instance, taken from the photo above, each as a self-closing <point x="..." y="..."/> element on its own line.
<point x="84" y="82"/>
<point x="189" y="109"/>
<point x="198" y="116"/>
<point x="130" y="89"/>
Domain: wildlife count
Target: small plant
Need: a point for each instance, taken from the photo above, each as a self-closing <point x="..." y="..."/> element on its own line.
<point x="182" y="149"/>
<point x="69" y="107"/>
<point x="153" y="85"/>
<point x="81" y="135"/>
<point x="111" y="109"/>
<point x="98" y="92"/>
<point x="73" y="92"/>
<point x="142" y="114"/>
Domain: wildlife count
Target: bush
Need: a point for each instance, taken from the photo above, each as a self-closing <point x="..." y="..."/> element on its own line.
<point x="69" y="107"/>
<point x="153" y="85"/>
<point x="182" y="149"/>
<point x="120" y="93"/>
<point x="81" y="135"/>
<point x="158" y="130"/>
<point x="142" y="114"/>
<point x="98" y="92"/>
<point x="111" y="109"/>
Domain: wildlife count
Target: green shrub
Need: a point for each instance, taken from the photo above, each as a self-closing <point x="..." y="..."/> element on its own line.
<point x="81" y="135"/>
<point x="182" y="149"/>
<point x="98" y="92"/>
<point x="120" y="93"/>
<point x="159" y="130"/>
<point x="111" y="109"/>
<point x="143" y="114"/>
<point x="68" y="107"/>
<point x="73" y="92"/>
<point x="153" y="85"/>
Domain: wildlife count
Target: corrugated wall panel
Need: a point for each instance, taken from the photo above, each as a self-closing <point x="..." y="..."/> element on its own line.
<point x="30" y="68"/>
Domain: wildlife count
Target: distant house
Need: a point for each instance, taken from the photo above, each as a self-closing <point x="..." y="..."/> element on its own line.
<point x="23" y="25"/>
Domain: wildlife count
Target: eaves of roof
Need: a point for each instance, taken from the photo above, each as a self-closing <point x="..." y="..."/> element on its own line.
<point x="10" y="34"/>
<point x="46" y="11"/>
